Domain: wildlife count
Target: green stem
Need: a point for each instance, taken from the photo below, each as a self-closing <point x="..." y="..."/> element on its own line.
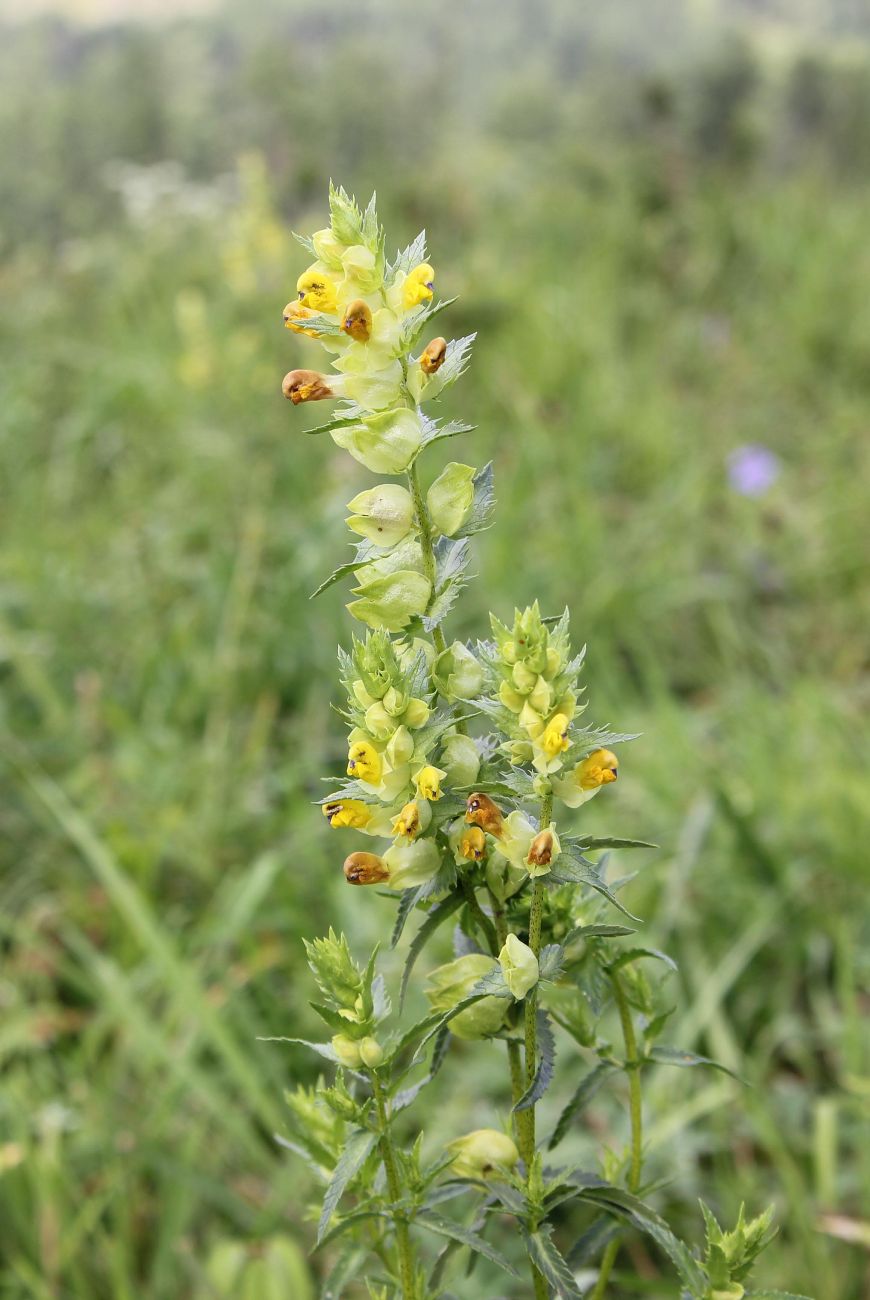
<point x="388" y="1155"/>
<point x="635" y="1110"/>
<point x="531" y="1026"/>
<point x="424" y="523"/>
<point x="513" y="1047"/>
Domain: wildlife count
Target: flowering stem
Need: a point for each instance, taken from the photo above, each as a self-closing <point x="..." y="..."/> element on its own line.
<point x="635" y="1110"/>
<point x="484" y="924"/>
<point x="388" y="1155"/>
<point x="425" y="525"/>
<point x="531" y="1026"/>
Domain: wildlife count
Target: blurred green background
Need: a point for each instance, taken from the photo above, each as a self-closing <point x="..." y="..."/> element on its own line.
<point x="656" y="214"/>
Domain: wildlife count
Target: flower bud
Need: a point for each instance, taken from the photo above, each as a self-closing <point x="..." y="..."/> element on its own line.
<point x="543" y="850"/>
<point x="371" y="1052"/>
<point x="733" y="1291"/>
<point x="428" y="782"/>
<point x="598" y="769"/>
<point x="418" y="286"/>
<point x="364" y="762"/>
<point x="451" y="497"/>
<point x="519" y="966"/>
<point x="483" y="1153"/>
<point x="400" y="749"/>
<point x="316" y="289"/>
<point x="461" y="760"/>
<point x="356" y="320"/>
<point x="347" y="812"/>
<point x="388" y="601"/>
<point x="472" y="844"/>
<point x="433" y="355"/>
<point x="417" y="712"/>
<point x="383" y="514"/>
<point x="365" y="869"/>
<point x="305" y="386"/>
<point x="523" y="678"/>
<point x="328" y="248"/>
<point x="412" y="820"/>
<point x="379" y="722"/>
<point x="449" y="984"/>
<point x="458" y="673"/>
<point x="555" y="740"/>
<point x="360" y="266"/>
<point x="412" y="864"/>
<point x="347" y="1051"/>
<point x="481" y="811"/>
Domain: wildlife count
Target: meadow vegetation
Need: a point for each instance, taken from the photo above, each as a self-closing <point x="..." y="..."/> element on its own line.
<point x="666" y="260"/>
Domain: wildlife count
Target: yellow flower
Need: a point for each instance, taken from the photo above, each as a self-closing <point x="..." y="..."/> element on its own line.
<point x="555" y="738"/>
<point x="596" y="770"/>
<point x="409" y="821"/>
<point x="472" y="845"/>
<point x="428" y="782"/>
<point x="294" y="315"/>
<point x="347" y="812"/>
<point x="418" y="286"/>
<point x="317" y="290"/>
<point x="542" y="851"/>
<point x="364" y="762"/>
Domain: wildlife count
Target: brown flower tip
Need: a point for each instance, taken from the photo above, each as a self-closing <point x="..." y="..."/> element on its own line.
<point x="541" y="849"/>
<point x="357" y="321"/>
<point x="305" y="386"/>
<point x="433" y="355"/>
<point x="365" y="869"/>
<point x="481" y="811"/>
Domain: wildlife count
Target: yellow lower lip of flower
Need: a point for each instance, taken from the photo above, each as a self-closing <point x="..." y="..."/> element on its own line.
<point x="317" y="291"/>
<point x="555" y="738"/>
<point x="408" y="821"/>
<point x="364" y="762"/>
<point x="599" y="768"/>
<point x="419" y="286"/>
<point x="347" y="812"/>
<point x="428" y="781"/>
<point x="472" y="846"/>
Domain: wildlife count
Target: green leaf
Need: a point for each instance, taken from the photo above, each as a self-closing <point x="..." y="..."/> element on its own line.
<point x="433" y="431"/>
<point x="663" y="1055"/>
<point x="775" y="1295"/>
<point x="438" y="915"/>
<point x="344" y="1271"/>
<point x="550" y="961"/>
<point x="342" y="571"/>
<point x="351" y="1221"/>
<point x="407" y="901"/>
<point x="597" y="932"/>
<point x="546" y="1065"/>
<point x="610" y="842"/>
<point x="631" y="1208"/>
<point x="342" y="418"/>
<point x="483" y="504"/>
<point x="548" y="1259"/>
<point x="571" y="869"/>
<point x="586" y="1090"/>
<point x="465" y="1236"/>
<point x="591" y="1242"/>
<point x="634" y="954"/>
<point x="357" y="1149"/>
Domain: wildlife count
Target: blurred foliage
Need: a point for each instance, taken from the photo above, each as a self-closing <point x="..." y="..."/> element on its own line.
<point x="661" y="238"/>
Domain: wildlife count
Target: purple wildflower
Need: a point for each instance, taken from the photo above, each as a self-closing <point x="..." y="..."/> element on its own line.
<point x="752" y="469"/>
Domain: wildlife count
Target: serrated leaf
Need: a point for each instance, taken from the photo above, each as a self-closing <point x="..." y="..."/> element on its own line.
<point x="433" y="431"/>
<point x="483" y="503"/>
<point x="404" y="1098"/>
<point x="436" y="917"/>
<point x="358" y="1146"/>
<point x="465" y="1237"/>
<point x="585" y="1091"/>
<point x="550" y="1262"/>
<point x="342" y="571"/>
<point x="442" y="603"/>
<point x="598" y="932"/>
<point x="546" y="1064"/>
<point x="550" y="961"/>
<point x="350" y="1221"/>
<point x="586" y="843"/>
<point x="591" y="1242"/>
<point x="408" y="258"/>
<point x="634" y="954"/>
<point x="342" y="418"/>
<point x="571" y="869"/>
<point x="627" y="1206"/>
<point x="664" y="1055"/>
<point x="307" y="243"/>
<point x="344" y="1271"/>
<point x="407" y="902"/>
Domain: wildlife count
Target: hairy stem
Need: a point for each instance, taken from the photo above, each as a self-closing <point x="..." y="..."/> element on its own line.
<point x="527" y="1116"/>
<point x="388" y="1155"/>
<point x="424" y="523"/>
<point x="635" y="1110"/>
<point x="513" y="1047"/>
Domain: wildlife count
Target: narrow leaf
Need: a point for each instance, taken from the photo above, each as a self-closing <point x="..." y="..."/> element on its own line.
<point x="342" y="571"/>
<point x="592" y="1241"/>
<point x="626" y="1206"/>
<point x="586" y="1090"/>
<point x="436" y="917"/>
<point x="357" y="1149"/>
<point x="554" y="1268"/>
<point x="663" y="1055"/>
<point x="633" y="954"/>
<point x="465" y="1236"/>
<point x="546" y="1065"/>
<point x="406" y="906"/>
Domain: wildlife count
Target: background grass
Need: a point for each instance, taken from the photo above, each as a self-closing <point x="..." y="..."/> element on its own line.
<point x="659" y="230"/>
